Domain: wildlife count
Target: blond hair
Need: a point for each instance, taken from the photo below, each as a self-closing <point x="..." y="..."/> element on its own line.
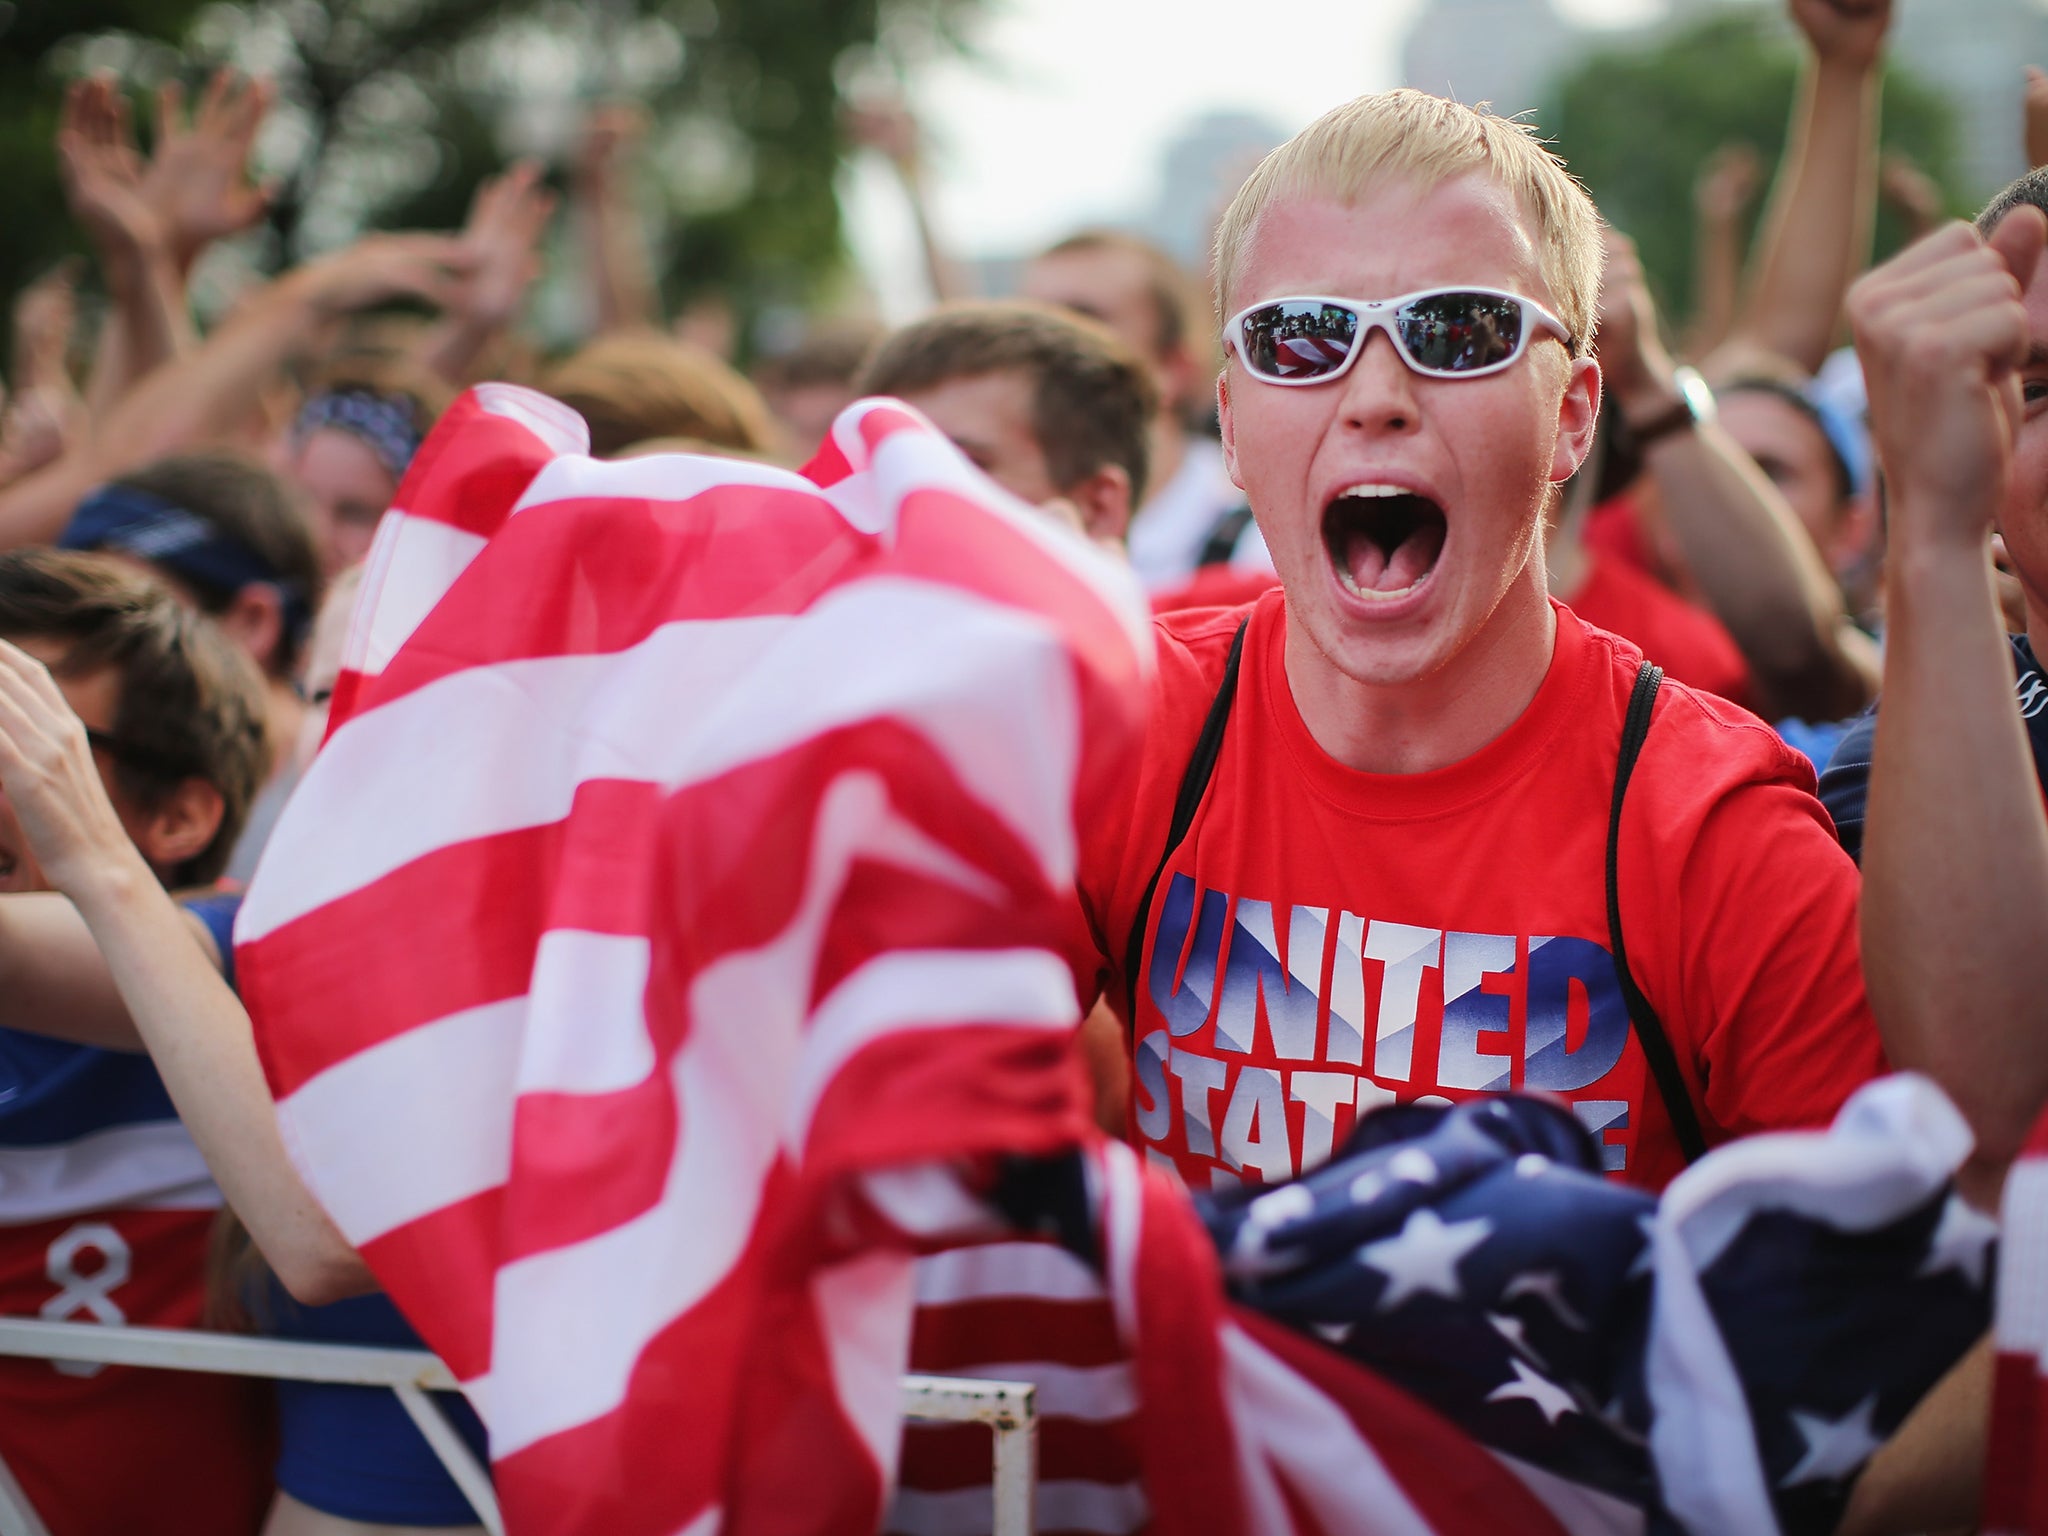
<point x="1411" y="135"/>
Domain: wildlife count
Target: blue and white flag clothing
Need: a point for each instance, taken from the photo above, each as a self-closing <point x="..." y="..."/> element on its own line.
<point x="1726" y="1359"/>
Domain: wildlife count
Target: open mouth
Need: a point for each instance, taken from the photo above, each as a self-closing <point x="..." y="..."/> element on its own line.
<point x="1384" y="540"/>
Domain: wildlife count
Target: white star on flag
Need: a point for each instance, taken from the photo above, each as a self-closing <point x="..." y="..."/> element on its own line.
<point x="1834" y="1447"/>
<point x="1424" y="1257"/>
<point x="1551" y="1400"/>
<point x="1962" y="1241"/>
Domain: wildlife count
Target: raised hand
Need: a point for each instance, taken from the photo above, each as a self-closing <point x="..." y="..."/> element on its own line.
<point x="51" y="782"/>
<point x="1847" y="32"/>
<point x="382" y="267"/>
<point x="1912" y="191"/>
<point x="1727" y="183"/>
<point x="887" y="124"/>
<point x="198" y="175"/>
<point x="45" y="316"/>
<point x="1942" y="332"/>
<point x="1635" y="366"/>
<point x="101" y="172"/>
<point x="501" y="240"/>
<point x="611" y="134"/>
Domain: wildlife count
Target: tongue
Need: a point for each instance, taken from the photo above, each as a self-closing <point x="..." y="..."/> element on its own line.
<point x="1374" y="569"/>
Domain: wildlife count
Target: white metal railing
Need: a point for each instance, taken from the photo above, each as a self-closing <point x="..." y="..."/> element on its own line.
<point x="1007" y="1407"/>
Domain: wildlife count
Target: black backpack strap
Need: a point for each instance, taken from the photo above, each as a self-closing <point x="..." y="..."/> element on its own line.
<point x="1663" y="1061"/>
<point x="1194" y="782"/>
<point x="1223" y="536"/>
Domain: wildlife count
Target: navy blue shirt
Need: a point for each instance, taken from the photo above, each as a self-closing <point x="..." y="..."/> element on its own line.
<point x="1845" y="786"/>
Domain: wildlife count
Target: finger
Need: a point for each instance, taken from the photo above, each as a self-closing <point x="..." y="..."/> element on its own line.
<point x="213" y="105"/>
<point x="256" y="104"/>
<point x="2018" y="240"/>
<point x="170" y="112"/>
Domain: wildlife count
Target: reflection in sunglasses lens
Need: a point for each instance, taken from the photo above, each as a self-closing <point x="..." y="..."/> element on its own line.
<point x="1458" y="332"/>
<point x="1299" y="341"/>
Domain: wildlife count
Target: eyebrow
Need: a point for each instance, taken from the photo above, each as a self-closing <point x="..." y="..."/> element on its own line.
<point x="2037" y="355"/>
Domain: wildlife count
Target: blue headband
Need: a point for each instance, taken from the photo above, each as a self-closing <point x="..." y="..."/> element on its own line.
<point x="385" y="424"/>
<point x="183" y="543"/>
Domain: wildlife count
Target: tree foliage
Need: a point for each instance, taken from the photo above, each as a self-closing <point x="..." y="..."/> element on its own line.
<point x="1637" y="124"/>
<point x="390" y="111"/>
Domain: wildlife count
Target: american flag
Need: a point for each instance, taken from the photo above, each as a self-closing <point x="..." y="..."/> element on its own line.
<point x="675" y="907"/>
<point x="2016" y="1479"/>
<point x="1727" y="1357"/>
<point x="676" y="933"/>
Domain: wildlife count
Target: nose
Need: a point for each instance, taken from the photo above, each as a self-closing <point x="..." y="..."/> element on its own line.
<point x="1379" y="388"/>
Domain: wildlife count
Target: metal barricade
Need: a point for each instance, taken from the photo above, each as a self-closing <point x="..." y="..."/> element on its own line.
<point x="1007" y="1407"/>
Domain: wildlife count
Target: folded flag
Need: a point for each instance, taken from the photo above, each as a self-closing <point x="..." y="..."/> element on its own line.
<point x="1728" y="1357"/>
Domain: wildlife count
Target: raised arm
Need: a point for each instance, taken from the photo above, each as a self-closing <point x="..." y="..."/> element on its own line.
<point x="889" y="127"/>
<point x="195" y="1029"/>
<point x="1721" y="196"/>
<point x="507" y="218"/>
<point x="1955" y="853"/>
<point x="208" y="394"/>
<point x="1817" y="230"/>
<point x="1752" y="560"/>
<point x="148" y="323"/>
<point x="608" y="224"/>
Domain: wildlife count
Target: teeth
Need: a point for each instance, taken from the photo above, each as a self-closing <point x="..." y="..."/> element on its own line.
<point x="1375" y="491"/>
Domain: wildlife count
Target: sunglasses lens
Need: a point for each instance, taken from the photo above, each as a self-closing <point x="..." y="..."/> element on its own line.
<point x="1459" y="332"/>
<point x="1298" y="340"/>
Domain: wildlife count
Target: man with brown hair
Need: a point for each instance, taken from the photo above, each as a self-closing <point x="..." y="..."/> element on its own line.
<point x="1193" y="516"/>
<point x="1050" y="406"/>
<point x="105" y="1203"/>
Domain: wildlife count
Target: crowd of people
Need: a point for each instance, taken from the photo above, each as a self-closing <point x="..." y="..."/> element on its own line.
<point x="1412" y="553"/>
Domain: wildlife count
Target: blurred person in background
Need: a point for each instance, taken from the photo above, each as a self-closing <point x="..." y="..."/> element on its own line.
<point x="805" y="386"/>
<point x="350" y="444"/>
<point x="1053" y="408"/>
<point x="1193" y="515"/>
<point x="643" y="387"/>
<point x="120" y="958"/>
<point x="105" y="1202"/>
<point x="229" y="538"/>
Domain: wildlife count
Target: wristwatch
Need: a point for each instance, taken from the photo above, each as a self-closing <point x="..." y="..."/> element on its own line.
<point x="1695" y="404"/>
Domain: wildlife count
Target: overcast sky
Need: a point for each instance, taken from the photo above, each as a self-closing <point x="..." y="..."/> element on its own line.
<point x="1063" y="118"/>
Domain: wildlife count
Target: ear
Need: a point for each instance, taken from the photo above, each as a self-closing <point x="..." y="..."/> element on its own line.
<point x="1104" y="502"/>
<point x="1578" y="413"/>
<point x="255" y="621"/>
<point x="180" y="826"/>
<point x="1223" y="419"/>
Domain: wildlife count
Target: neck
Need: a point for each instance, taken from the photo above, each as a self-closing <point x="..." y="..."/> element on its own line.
<point x="1167" y="448"/>
<point x="1433" y="721"/>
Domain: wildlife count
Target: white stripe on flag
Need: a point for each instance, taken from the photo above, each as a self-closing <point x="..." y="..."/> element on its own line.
<point x="587" y="1015"/>
<point x="2022" y="1317"/>
<point x="864" y="1313"/>
<point x="1027" y="1271"/>
<point x="1312" y="1443"/>
<point x="1093" y="1394"/>
<point x="910" y="989"/>
<point x="653" y="477"/>
<point x="992" y="689"/>
<point x="554" y="423"/>
<point x="731" y="1074"/>
<point x="442" y="1099"/>
<point x="413" y="563"/>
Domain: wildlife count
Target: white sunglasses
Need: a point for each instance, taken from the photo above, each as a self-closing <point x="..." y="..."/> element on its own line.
<point x="1450" y="333"/>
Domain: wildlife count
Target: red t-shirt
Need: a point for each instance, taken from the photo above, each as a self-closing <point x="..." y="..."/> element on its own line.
<point x="1326" y="940"/>
<point x="113" y="1450"/>
<point x="1689" y="643"/>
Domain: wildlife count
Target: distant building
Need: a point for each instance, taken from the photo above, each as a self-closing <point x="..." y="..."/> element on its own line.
<point x="1204" y="166"/>
<point x="1504" y="52"/>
